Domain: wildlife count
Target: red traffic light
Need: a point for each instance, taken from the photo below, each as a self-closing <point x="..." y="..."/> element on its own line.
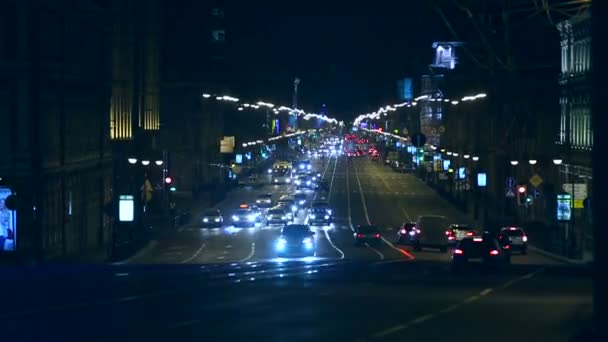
<point x="168" y="180"/>
<point x="521" y="189"/>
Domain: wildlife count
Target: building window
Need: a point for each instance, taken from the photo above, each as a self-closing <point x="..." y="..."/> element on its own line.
<point x="218" y="36"/>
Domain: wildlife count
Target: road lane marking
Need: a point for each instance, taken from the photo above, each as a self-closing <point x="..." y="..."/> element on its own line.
<point x="375" y="250"/>
<point x="332" y="244"/>
<point x="407" y="216"/>
<point x="198" y="251"/>
<point x="452" y="307"/>
<point x="400" y="250"/>
<point x="251" y="253"/>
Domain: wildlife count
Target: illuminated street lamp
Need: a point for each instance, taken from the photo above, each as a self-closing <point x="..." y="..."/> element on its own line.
<point x="467" y="156"/>
<point x="206" y="96"/>
<point x="557" y="161"/>
<point x="132" y="160"/>
<point x="475" y="158"/>
<point x="455" y="154"/>
<point x="514" y="162"/>
<point x="532" y="161"/>
<point x="145" y="162"/>
<point x="158" y="162"/>
<point x="449" y="153"/>
<point x="219" y="98"/>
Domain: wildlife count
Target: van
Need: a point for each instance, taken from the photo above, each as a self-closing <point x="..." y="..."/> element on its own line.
<point x="431" y="232"/>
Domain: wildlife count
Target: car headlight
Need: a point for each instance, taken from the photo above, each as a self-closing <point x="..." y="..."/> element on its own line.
<point x="235" y="218"/>
<point x="327" y="217"/>
<point x="258" y="201"/>
<point x="314" y="178"/>
<point x="251" y="217"/>
<point x="309" y="167"/>
<point x="302" y="202"/>
<point x="283" y="217"/>
<point x="294" y="208"/>
<point x="281" y="242"/>
<point x="313" y="216"/>
<point x="288" y="180"/>
<point x="319" y="175"/>
<point x="308" y="182"/>
<point x="276" y="180"/>
<point x="269" y="170"/>
<point x="205" y="220"/>
<point x="217" y="219"/>
<point x="412" y="232"/>
<point x="307" y="243"/>
<point x="329" y="211"/>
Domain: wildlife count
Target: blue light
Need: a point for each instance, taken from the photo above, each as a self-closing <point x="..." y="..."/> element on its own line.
<point x="482" y="179"/>
<point x="238" y="158"/>
<point x="446" y="165"/>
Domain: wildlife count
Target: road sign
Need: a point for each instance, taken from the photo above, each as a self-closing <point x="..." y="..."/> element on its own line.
<point x="535" y="180"/>
<point x="578" y="192"/>
<point x="418" y="139"/>
<point x="510" y="193"/>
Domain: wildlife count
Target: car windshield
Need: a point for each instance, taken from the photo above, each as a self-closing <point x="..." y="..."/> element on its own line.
<point x="242" y="212"/>
<point x="513" y="232"/>
<point x="265" y="196"/>
<point x="212" y="213"/>
<point x="367" y="229"/>
<point x="296" y="230"/>
<point x="276" y="212"/>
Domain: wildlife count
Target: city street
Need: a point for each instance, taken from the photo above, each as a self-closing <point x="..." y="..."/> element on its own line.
<point x="199" y="283"/>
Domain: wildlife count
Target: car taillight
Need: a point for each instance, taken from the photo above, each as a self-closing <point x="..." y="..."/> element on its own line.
<point x="494" y="252"/>
<point x="525" y="238"/>
<point x="507" y="247"/>
<point x="458" y="251"/>
<point x="377" y="235"/>
<point x="451" y="237"/>
<point x="447" y="232"/>
<point x="360" y="235"/>
<point x="403" y="231"/>
<point x="469" y="233"/>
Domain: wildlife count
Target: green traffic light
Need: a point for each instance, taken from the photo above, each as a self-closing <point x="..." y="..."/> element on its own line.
<point x="172" y="189"/>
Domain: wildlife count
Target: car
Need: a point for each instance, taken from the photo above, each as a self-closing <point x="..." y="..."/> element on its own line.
<point x="304" y="181"/>
<point x="264" y="200"/>
<point x="407" y="233"/>
<point x="300" y="199"/>
<point x="479" y="249"/>
<point x="296" y="239"/>
<point x="366" y="234"/>
<point x="288" y="204"/>
<point x="245" y="218"/>
<point x="457" y="232"/>
<point x="281" y="176"/>
<point x="324" y="206"/>
<point x="318" y="216"/>
<point x="278" y="215"/>
<point x="212" y="219"/>
<point x="514" y="238"/>
<point x="302" y="166"/>
<point x="431" y="232"/>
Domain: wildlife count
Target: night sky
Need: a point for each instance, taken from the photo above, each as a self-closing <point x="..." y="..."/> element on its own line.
<point x="347" y="56"/>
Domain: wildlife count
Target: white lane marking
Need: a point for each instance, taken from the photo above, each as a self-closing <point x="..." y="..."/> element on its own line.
<point x="139" y="254"/>
<point x="333" y="245"/>
<point x="251" y="253"/>
<point x="451" y="308"/>
<point x="375" y="250"/>
<point x="350" y="220"/>
<point x="198" y="251"/>
<point x="221" y="257"/>
<point x="407" y="216"/>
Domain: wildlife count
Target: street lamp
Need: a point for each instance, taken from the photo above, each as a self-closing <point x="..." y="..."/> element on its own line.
<point x="158" y="162"/>
<point x="475" y="158"/>
<point x="206" y="96"/>
<point x="449" y="153"/>
<point x="145" y="162"/>
<point x="467" y="156"/>
<point x="455" y="154"/>
<point x="557" y="161"/>
<point x="514" y="162"/>
<point x="532" y="161"/>
<point x="132" y="160"/>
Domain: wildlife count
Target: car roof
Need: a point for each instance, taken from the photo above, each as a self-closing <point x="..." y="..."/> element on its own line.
<point x="265" y="195"/>
<point x="212" y="212"/>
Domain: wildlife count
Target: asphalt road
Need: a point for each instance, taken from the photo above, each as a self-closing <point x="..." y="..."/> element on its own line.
<point x="227" y="283"/>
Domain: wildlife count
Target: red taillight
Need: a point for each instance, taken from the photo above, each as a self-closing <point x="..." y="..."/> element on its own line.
<point x="360" y="235"/>
<point x="458" y="251"/>
<point x="403" y="231"/>
<point x="494" y="252"/>
<point x="507" y="247"/>
<point x="469" y="233"/>
<point x="377" y="236"/>
<point x="447" y="232"/>
<point x="451" y="237"/>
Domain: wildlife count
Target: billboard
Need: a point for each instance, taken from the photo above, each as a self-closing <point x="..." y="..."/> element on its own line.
<point x="126" y="208"/>
<point x="227" y="145"/>
<point x="445" y="54"/>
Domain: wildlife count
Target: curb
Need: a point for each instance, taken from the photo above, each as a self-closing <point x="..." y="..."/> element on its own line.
<point x="557" y="257"/>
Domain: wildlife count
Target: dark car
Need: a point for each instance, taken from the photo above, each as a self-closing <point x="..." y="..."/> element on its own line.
<point x="480" y="250"/>
<point x="513" y="238"/>
<point x="367" y="234"/>
<point x="407" y="233"/>
<point x="457" y="232"/>
<point x="264" y="200"/>
<point x="212" y="219"/>
<point x="324" y="206"/>
<point x="318" y="216"/>
<point x="296" y="239"/>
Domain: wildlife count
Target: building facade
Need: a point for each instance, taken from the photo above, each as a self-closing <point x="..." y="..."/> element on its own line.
<point x="54" y="102"/>
<point x="575" y="136"/>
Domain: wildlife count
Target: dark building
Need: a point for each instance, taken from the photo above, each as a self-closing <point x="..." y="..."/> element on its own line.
<point x="55" y="87"/>
<point x="575" y="137"/>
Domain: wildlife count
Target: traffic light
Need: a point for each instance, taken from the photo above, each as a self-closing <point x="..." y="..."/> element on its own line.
<point x="521" y="193"/>
<point x="168" y="180"/>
